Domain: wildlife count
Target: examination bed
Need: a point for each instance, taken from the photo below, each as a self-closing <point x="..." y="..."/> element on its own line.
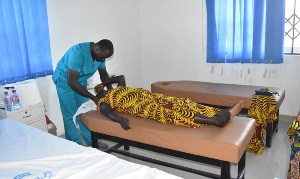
<point x="27" y="152"/>
<point x="219" y="95"/>
<point x="217" y="147"/>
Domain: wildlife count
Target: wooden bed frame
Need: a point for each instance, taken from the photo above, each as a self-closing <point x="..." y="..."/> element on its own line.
<point x="219" y="95"/>
<point x="209" y="145"/>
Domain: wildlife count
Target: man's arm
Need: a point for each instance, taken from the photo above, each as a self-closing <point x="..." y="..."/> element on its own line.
<point x="107" y="111"/>
<point x="76" y="86"/>
<point x="104" y="77"/>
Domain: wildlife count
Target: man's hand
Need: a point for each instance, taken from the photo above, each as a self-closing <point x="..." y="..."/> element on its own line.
<point x="73" y="77"/>
<point x="124" y="123"/>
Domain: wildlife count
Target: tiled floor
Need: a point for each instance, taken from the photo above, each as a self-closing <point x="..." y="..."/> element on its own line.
<point x="272" y="164"/>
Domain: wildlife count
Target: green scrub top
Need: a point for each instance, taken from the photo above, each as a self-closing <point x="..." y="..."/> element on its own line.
<point x="77" y="58"/>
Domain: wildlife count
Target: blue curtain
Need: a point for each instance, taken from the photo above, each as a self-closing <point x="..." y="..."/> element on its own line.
<point x="246" y="31"/>
<point x="25" y="44"/>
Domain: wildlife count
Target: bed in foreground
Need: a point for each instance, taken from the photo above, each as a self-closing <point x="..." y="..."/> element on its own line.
<point x="27" y="152"/>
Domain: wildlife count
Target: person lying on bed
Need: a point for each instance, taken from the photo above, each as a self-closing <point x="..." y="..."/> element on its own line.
<point x="165" y="109"/>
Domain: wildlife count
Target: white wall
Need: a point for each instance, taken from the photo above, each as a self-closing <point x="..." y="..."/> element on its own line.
<point x="173" y="34"/>
<point x="154" y="41"/>
<point x="75" y="21"/>
<point x="172" y="40"/>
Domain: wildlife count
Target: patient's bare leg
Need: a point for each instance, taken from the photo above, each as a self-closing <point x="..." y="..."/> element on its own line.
<point x="222" y="118"/>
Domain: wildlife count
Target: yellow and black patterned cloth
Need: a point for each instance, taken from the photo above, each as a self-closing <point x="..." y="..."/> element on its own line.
<point x="263" y="110"/>
<point x="294" y="136"/>
<point x="165" y="109"/>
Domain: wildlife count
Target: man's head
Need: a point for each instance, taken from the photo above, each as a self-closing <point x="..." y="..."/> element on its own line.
<point x="104" y="49"/>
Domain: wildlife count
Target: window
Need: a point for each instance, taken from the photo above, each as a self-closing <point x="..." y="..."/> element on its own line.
<point x="292" y="27"/>
<point x="25" y="43"/>
<point x="245" y="31"/>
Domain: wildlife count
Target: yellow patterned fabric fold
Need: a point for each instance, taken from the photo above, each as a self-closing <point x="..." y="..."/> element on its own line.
<point x="165" y="109"/>
<point x="294" y="136"/>
<point x="263" y="110"/>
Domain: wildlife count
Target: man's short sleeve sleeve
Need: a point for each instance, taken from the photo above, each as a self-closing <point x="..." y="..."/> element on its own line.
<point x="102" y="65"/>
<point x="75" y="61"/>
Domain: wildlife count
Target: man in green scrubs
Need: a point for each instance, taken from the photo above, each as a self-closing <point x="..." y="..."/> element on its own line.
<point x="79" y="63"/>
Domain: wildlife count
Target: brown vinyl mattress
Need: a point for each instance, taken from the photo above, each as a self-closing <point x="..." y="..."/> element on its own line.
<point x="212" y="93"/>
<point x="227" y="143"/>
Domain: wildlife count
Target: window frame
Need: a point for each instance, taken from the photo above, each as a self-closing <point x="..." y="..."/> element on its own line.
<point x="293" y="28"/>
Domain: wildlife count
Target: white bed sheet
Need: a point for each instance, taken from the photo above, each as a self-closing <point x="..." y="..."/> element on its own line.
<point x="26" y="152"/>
<point x="85" y="107"/>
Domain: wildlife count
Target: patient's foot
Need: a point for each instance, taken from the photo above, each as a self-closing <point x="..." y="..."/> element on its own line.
<point x="222" y="117"/>
<point x="236" y="109"/>
<point x="226" y="115"/>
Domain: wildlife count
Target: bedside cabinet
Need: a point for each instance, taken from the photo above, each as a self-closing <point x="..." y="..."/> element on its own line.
<point x="33" y="115"/>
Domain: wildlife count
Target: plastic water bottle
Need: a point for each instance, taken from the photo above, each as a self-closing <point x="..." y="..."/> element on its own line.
<point x="15" y="100"/>
<point x="1" y="99"/>
<point x="7" y="102"/>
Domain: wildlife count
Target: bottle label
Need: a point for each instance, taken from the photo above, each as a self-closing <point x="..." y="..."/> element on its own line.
<point x="15" y="99"/>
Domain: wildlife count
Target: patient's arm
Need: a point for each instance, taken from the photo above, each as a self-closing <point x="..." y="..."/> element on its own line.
<point x="107" y="111"/>
<point x="119" y="80"/>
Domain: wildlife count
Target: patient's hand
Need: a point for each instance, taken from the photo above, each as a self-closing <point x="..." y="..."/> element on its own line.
<point x="98" y="88"/>
<point x="124" y="123"/>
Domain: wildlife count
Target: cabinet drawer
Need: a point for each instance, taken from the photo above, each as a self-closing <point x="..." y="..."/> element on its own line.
<point x="39" y="124"/>
<point x="31" y="114"/>
<point x="26" y="115"/>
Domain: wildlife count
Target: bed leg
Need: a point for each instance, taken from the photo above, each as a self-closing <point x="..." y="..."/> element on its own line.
<point x="276" y="122"/>
<point x="126" y="147"/>
<point x="225" y="170"/>
<point x="269" y="132"/>
<point x="271" y="129"/>
<point x="94" y="140"/>
<point x="241" y="166"/>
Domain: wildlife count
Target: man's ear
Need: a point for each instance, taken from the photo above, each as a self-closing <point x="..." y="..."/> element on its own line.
<point x="98" y="49"/>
